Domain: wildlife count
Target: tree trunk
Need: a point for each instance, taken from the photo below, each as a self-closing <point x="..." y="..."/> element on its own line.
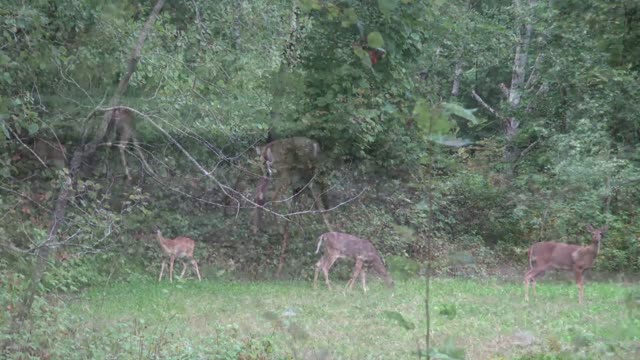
<point x="515" y="90"/>
<point x="59" y="212"/>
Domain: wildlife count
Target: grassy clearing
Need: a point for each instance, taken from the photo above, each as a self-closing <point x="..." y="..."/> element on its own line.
<point x="212" y="319"/>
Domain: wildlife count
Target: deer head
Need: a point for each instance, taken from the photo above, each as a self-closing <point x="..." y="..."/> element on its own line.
<point x="288" y="164"/>
<point x="287" y="154"/>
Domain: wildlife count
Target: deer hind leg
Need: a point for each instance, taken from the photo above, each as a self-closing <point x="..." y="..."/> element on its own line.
<point x="328" y="263"/>
<point x="363" y="275"/>
<point x="530" y="277"/>
<point x="122" y="146"/>
<point x="319" y="265"/>
<point x="184" y="269"/>
<point x="356" y="272"/>
<point x="164" y="263"/>
<point x="173" y="259"/>
<point x="195" y="266"/>
<point x="580" y="283"/>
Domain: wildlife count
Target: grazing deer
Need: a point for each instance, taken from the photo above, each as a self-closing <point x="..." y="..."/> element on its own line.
<point x="340" y="245"/>
<point x="288" y="164"/>
<point x="294" y="152"/>
<point x="180" y="247"/>
<point x="559" y="256"/>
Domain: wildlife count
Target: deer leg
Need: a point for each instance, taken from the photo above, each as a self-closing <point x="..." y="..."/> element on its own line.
<point x="363" y="275"/>
<point x="356" y="272"/>
<point x="319" y="265"/>
<point x="122" y="147"/>
<point x="530" y="277"/>
<point x="184" y="269"/>
<point x="195" y="266"/>
<point x="328" y="263"/>
<point x="580" y="283"/>
<point x="164" y="263"/>
<point x="173" y="259"/>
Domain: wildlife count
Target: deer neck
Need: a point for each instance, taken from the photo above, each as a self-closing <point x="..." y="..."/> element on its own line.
<point x="162" y="241"/>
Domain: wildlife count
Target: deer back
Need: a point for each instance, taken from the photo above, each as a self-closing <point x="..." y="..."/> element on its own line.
<point x="178" y="247"/>
<point x="351" y="246"/>
<point x="558" y="255"/>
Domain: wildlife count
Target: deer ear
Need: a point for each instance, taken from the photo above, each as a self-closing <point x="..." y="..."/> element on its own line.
<point x="589" y="227"/>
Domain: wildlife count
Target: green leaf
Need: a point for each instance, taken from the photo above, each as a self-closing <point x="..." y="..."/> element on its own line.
<point x="7" y="78"/>
<point x="387" y="6"/>
<point x="363" y="55"/>
<point x="349" y="18"/>
<point x="430" y="122"/>
<point x="5" y="130"/>
<point x="4" y="59"/>
<point x="449" y="140"/>
<point x="374" y="39"/>
<point x="398" y="318"/>
<point x="456" y="109"/>
<point x="33" y="128"/>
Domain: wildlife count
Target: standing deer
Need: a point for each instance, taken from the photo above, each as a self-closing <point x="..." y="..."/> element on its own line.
<point x="341" y="245"/>
<point x="120" y="121"/>
<point x="289" y="165"/>
<point x="559" y="256"/>
<point x="180" y="247"/>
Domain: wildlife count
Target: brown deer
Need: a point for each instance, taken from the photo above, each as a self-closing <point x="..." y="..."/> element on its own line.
<point x="295" y="152"/>
<point x="287" y="164"/>
<point x="120" y="121"/>
<point x="180" y="248"/>
<point x="341" y="245"/>
<point x="559" y="256"/>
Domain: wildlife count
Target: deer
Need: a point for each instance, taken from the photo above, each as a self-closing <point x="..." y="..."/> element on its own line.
<point x="341" y="245"/>
<point x="293" y="152"/>
<point x="288" y="164"/>
<point x="120" y="121"/>
<point x="178" y="248"/>
<point x="560" y="256"/>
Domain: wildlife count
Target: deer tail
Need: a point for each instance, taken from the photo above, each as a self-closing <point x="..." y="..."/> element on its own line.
<point x="530" y="260"/>
<point x="319" y="243"/>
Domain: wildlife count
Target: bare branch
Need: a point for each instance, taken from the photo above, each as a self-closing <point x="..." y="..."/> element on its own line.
<point x="486" y="106"/>
<point x="26" y="147"/>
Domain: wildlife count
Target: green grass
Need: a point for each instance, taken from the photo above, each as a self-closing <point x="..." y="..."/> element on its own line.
<point x="250" y="320"/>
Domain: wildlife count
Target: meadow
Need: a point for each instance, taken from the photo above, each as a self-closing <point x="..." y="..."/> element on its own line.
<point x="472" y="319"/>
